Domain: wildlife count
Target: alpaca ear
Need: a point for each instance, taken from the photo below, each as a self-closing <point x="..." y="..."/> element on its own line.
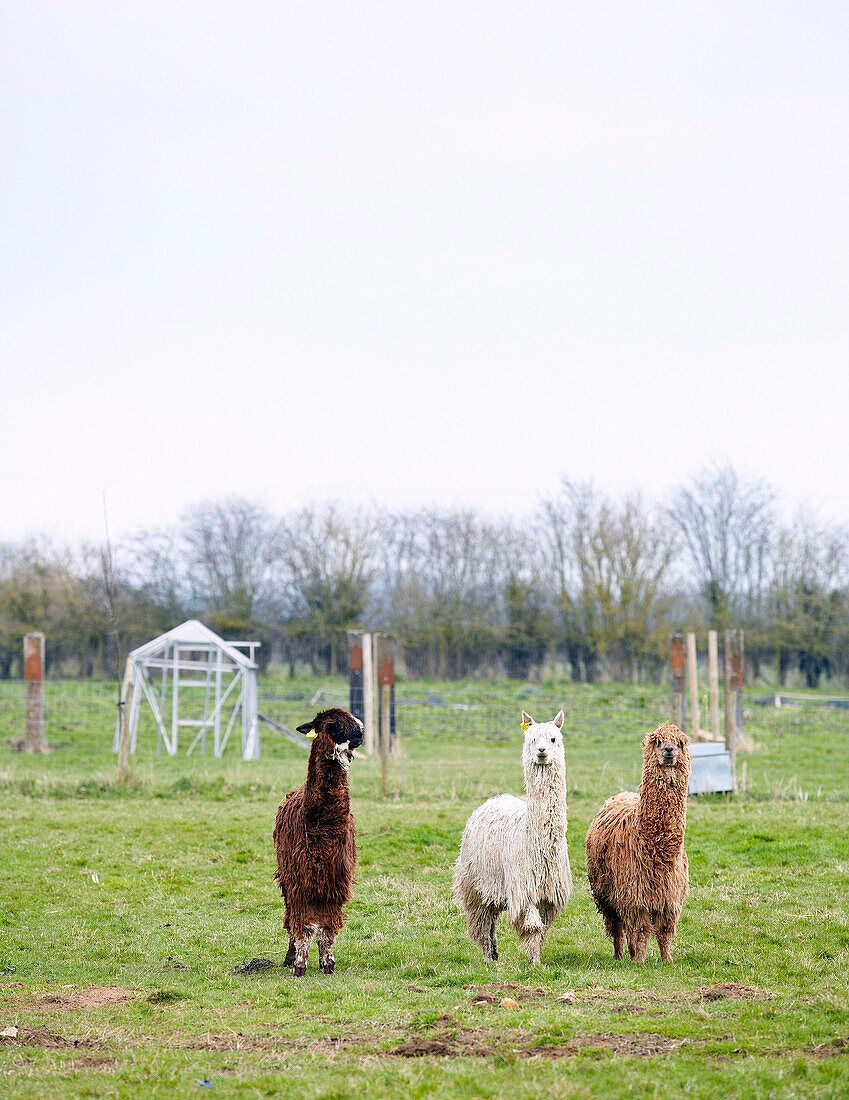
<point x="558" y="721"/>
<point x="645" y="741"/>
<point x="305" y="728"/>
<point x="526" y="721"/>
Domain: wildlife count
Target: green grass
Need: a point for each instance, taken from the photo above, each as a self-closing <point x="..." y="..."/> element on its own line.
<point x="183" y="896"/>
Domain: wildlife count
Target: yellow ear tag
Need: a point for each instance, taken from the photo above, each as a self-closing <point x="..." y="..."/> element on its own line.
<point x="526" y="726"/>
<point x="312" y="734"/>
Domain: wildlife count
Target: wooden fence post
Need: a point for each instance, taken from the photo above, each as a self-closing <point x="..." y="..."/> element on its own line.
<point x="676" y="678"/>
<point x="34" y="676"/>
<point x="368" y="694"/>
<point x="385" y="707"/>
<point x="733" y="695"/>
<point x="385" y="661"/>
<point x="713" y="674"/>
<point x="355" y="674"/>
<point x="126" y="713"/>
<point x="693" y="675"/>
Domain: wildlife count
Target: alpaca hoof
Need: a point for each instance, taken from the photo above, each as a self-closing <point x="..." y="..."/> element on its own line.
<point x="329" y="968"/>
<point x="299" y="971"/>
<point x="494" y="955"/>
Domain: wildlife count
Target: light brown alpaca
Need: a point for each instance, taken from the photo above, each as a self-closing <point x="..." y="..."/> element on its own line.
<point x="636" y="861"/>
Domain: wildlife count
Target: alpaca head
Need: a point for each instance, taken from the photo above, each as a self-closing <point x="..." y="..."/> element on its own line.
<point x="665" y="753"/>
<point x="543" y="743"/>
<point x="337" y="733"/>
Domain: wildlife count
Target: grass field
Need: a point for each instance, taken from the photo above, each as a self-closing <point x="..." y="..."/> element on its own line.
<point x="126" y="914"/>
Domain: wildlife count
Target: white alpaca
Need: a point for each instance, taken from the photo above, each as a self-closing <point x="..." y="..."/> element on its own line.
<point x="513" y="856"/>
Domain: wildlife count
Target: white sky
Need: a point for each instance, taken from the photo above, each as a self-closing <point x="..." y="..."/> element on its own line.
<point x="417" y="253"/>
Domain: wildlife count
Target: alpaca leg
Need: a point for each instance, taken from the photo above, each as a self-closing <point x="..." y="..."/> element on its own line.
<point x="664" y="942"/>
<point x="325" y="950"/>
<point x="532" y="946"/>
<point x="493" y="942"/>
<point x="614" y="927"/>
<point x="532" y="932"/>
<point x="302" y="946"/>
<point x="548" y="915"/>
<point x="664" y="930"/>
<point x="481" y="928"/>
<point x="290" y="954"/>
<point x="640" y="943"/>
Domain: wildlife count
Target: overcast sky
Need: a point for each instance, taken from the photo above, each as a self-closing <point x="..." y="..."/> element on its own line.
<point x="417" y="253"/>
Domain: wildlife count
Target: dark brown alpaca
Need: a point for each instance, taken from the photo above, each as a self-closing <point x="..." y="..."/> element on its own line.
<point x="314" y="838"/>
<point x="636" y="861"/>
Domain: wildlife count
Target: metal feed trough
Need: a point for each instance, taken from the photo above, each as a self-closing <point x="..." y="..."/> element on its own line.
<point x="710" y="772"/>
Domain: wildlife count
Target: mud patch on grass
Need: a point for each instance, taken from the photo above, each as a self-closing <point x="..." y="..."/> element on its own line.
<point x="418" y="1047"/>
<point x="494" y="993"/>
<point x="635" y="1000"/>
<point x="461" y="1043"/>
<point x="487" y="1043"/>
<point x="236" y="1042"/>
<point x="94" y="996"/>
<point x="255" y="966"/>
<point x="174" y="964"/>
<point x="637" y="1045"/>
<point x="734" y="991"/>
<point x="46" y="1039"/>
<point x="93" y="1061"/>
<point x="830" y="1049"/>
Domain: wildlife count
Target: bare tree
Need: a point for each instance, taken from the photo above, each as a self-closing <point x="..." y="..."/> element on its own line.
<point x="230" y="547"/>
<point x="325" y="564"/>
<point x="608" y="560"/>
<point x="454" y="588"/>
<point x="807" y="595"/>
<point x="726" y="523"/>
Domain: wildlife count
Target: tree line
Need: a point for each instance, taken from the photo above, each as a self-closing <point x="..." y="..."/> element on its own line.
<point x="588" y="582"/>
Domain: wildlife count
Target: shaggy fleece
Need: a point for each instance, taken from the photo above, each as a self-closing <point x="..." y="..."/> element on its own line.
<point x="636" y="863"/>
<point x="513" y="856"/>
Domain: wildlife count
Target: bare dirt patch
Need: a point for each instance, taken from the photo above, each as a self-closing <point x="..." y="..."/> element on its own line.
<point x="418" y="1047"/>
<point x="484" y="1043"/>
<point x="94" y="996"/>
<point x="255" y="966"/>
<point x="638" y="1045"/>
<point x="174" y="964"/>
<point x="830" y="1049"/>
<point x="634" y="1000"/>
<point x="93" y="1061"/>
<point x="46" y="1039"/>
<point x="236" y="1042"/>
<point x="494" y="994"/>
<point x="734" y="991"/>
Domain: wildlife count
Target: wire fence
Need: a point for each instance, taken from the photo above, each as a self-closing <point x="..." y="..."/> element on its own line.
<point x="454" y="742"/>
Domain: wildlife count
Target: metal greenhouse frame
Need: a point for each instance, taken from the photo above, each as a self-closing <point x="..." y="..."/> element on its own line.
<point x="189" y="659"/>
